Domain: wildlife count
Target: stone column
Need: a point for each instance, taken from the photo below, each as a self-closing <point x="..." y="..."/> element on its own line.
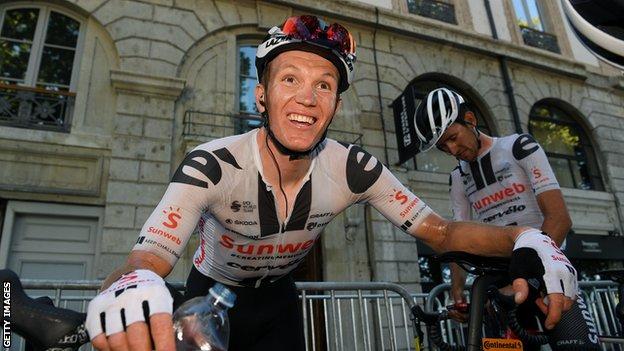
<point x="140" y="163"/>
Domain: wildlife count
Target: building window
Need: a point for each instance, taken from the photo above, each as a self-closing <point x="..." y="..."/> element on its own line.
<point x="38" y="64"/>
<point x="247" y="80"/>
<point x="438" y="10"/>
<point x="568" y="148"/>
<point x="435" y="160"/>
<point x="530" y="20"/>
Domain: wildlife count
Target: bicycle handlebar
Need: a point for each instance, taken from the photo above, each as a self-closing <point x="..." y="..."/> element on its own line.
<point x="39" y="322"/>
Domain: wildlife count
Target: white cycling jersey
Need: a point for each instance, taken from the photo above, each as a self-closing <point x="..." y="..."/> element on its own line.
<point x="500" y="186"/>
<point x="220" y="191"/>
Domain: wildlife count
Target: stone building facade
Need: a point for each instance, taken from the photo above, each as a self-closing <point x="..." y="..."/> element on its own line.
<point x="140" y="83"/>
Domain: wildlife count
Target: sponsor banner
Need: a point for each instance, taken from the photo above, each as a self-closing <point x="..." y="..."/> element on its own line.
<point x="491" y="344"/>
<point x="404" y="108"/>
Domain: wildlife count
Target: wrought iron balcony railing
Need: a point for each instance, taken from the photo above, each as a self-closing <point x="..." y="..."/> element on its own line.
<point x="204" y="126"/>
<point x="35" y="108"/>
<point x="438" y="10"/>
<point x="539" y="39"/>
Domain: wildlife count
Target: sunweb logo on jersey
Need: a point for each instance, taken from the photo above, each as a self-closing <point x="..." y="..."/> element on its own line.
<point x="514" y="189"/>
<point x="398" y="196"/>
<point x="173" y="216"/>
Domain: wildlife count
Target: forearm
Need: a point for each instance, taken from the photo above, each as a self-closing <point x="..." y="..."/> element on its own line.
<point x="557" y="221"/>
<point x="557" y="227"/>
<point x="481" y="239"/>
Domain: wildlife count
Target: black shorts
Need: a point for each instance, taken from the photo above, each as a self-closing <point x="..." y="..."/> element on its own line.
<point x="264" y="318"/>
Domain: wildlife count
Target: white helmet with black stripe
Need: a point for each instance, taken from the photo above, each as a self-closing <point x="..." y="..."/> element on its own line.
<point x="436" y="112"/>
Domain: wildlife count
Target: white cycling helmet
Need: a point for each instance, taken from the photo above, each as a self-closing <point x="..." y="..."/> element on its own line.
<point x="436" y="112"/>
<point x="599" y="25"/>
<point x="309" y="33"/>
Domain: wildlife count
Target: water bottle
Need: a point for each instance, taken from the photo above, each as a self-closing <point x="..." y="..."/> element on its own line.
<point x="202" y="323"/>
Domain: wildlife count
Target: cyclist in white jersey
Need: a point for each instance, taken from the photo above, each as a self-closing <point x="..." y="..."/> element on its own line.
<point x="501" y="181"/>
<point x="260" y="200"/>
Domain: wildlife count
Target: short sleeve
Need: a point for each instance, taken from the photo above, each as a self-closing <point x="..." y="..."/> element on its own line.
<point x="532" y="158"/>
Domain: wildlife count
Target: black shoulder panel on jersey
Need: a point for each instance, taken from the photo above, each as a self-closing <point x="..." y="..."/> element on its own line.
<point x="451" y="179"/>
<point x="269" y="224"/>
<point x="211" y="169"/>
<point x="358" y="178"/>
<point x="524" y="146"/>
<point x="344" y="144"/>
<point x="301" y="210"/>
<point x="225" y="156"/>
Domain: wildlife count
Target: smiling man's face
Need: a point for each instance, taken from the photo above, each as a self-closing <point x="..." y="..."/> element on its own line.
<point x="301" y="98"/>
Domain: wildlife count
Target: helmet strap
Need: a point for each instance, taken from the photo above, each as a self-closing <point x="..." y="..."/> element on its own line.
<point x="477" y="134"/>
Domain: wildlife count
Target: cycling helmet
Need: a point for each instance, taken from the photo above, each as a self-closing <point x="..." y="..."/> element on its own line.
<point x="309" y="33"/>
<point x="436" y="112"/>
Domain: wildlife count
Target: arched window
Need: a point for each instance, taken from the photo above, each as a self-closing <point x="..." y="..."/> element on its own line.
<point x="38" y="65"/>
<point x="567" y="146"/>
<point x="247" y="81"/>
<point x="435" y="160"/>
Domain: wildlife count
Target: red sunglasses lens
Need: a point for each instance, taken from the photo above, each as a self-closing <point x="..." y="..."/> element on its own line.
<point x="310" y="27"/>
<point x="302" y="27"/>
<point x="339" y="34"/>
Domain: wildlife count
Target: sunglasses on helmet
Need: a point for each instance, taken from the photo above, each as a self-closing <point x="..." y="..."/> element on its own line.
<point x="308" y="27"/>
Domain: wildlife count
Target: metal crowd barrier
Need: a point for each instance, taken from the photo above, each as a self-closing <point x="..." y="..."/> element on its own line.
<point x="354" y="316"/>
<point x="357" y="316"/>
<point x="337" y="316"/>
<point x="600" y="297"/>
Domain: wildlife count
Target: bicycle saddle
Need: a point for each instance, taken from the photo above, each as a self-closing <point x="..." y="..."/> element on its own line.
<point x="617" y="275"/>
<point x="39" y="322"/>
<point x="475" y="264"/>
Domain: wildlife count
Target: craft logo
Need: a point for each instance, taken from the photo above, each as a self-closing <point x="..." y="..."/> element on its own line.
<point x="492" y="344"/>
<point x="172" y="217"/>
<point x="319" y="215"/>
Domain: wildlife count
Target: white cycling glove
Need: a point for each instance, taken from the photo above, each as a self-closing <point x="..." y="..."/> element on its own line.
<point x="536" y="256"/>
<point x="123" y="303"/>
